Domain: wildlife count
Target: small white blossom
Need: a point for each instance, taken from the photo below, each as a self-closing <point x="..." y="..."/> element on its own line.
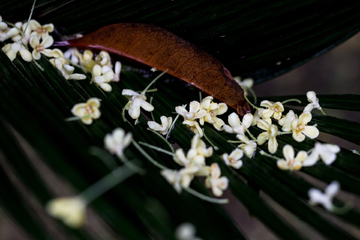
<point x="71" y="210"/>
<point x="3" y="30"/>
<point x="102" y="76"/>
<point x="236" y="126"/>
<point x="180" y="179"/>
<point x="117" y="141"/>
<point x="246" y="83"/>
<point x="87" y="111"/>
<point x="300" y="129"/>
<point x="291" y="162"/>
<point x="40" y="31"/>
<point x="248" y="146"/>
<point x="117" y="71"/>
<point x="136" y="101"/>
<point x="86" y="59"/>
<point x="327" y="153"/>
<point x="103" y="59"/>
<point x="12" y="49"/>
<point x="215" y="182"/>
<point x="41" y="47"/>
<point x="273" y="109"/>
<point x="234" y="159"/>
<point x="195" y="111"/>
<point x="70" y="54"/>
<point x="326" y="198"/>
<point x="66" y="70"/>
<point x="200" y="146"/>
<point x="285" y="122"/>
<point x="194" y="126"/>
<point x="270" y="134"/>
<point x="186" y="231"/>
<point x="164" y="127"/>
<point x="213" y="109"/>
<point x="314" y="102"/>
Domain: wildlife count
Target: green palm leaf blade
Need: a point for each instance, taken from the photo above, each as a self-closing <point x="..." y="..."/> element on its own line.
<point x="249" y="38"/>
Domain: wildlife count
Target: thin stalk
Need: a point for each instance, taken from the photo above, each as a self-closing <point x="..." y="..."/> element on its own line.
<point x="27" y="24"/>
<point x="291" y="100"/>
<point x="211" y="143"/>
<point x="104" y="156"/>
<point x="245" y="96"/>
<point x="130" y="165"/>
<point x="157" y="148"/>
<point x="206" y="198"/>
<point x="152" y="82"/>
<point x="162" y="137"/>
<point x="172" y="126"/>
<point x="106" y="183"/>
<point x="148" y="156"/>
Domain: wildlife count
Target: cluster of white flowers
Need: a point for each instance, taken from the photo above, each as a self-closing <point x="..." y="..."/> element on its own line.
<point x="194" y="164"/>
<point x="204" y="111"/>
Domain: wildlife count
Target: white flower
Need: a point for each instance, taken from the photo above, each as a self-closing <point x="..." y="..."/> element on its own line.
<point x="270" y="134"/>
<point x="41" y="47"/>
<point x="102" y="76"/>
<point x="213" y="109"/>
<point x="314" y="102"/>
<point x="136" y="101"/>
<point x="70" y="210"/>
<point x="291" y="162"/>
<point x="236" y="126"/>
<point x="248" y="146"/>
<point x="325" y="199"/>
<point x="70" y="54"/>
<point x="246" y="83"/>
<point x="300" y="129"/>
<point x="40" y="31"/>
<point x="180" y="179"/>
<point x="117" y="141"/>
<point x="103" y="59"/>
<point x="215" y="182"/>
<point x="191" y="158"/>
<point x="327" y="153"/>
<point x="3" y="30"/>
<point x="285" y="122"/>
<point x="66" y="70"/>
<point x="186" y="231"/>
<point x="86" y="59"/>
<point x="273" y="109"/>
<point x="200" y="146"/>
<point x="234" y="159"/>
<point x="194" y="126"/>
<point x="164" y="127"/>
<point x="87" y="111"/>
<point x="117" y="71"/>
<point x="11" y="51"/>
<point x="195" y="111"/>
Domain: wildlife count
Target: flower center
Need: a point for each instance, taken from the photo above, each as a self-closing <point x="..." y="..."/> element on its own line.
<point x="232" y="160"/>
<point x="41" y="30"/>
<point x="89" y="110"/>
<point x="300" y="127"/>
<point x="40" y="48"/>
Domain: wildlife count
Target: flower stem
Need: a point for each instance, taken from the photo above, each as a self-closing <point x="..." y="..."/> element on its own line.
<point x="104" y="156"/>
<point x="233" y="141"/>
<point x="252" y="136"/>
<point x="268" y="155"/>
<point x="283" y="133"/>
<point x="206" y="198"/>
<point x="157" y="148"/>
<point x="291" y="100"/>
<point x="148" y="156"/>
<point x="253" y="94"/>
<point x="211" y="143"/>
<point x="72" y="119"/>
<point x="130" y="165"/>
<point x="245" y="96"/>
<point x="153" y="81"/>
<point x="355" y="152"/>
<point x="160" y="136"/>
<point x="172" y="126"/>
<point x="109" y="181"/>
<point x="27" y="24"/>
<point x="322" y="111"/>
<point x="123" y="111"/>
